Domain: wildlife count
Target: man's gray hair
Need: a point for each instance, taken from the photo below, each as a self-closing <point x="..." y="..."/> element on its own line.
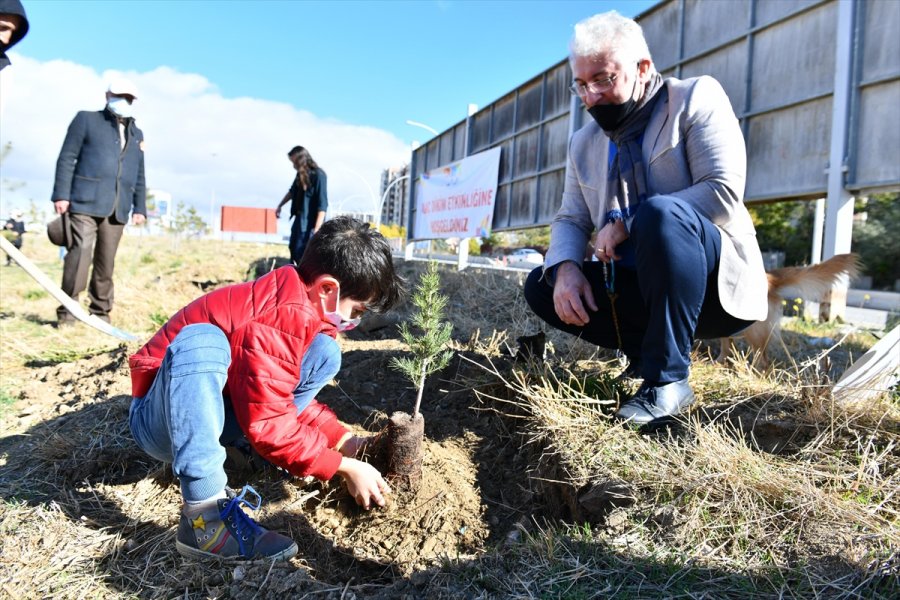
<point x="609" y="33"/>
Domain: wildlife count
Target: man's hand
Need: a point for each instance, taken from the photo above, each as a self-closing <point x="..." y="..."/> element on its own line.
<point x="138" y="219"/>
<point x="278" y="213"/>
<point x="608" y="238"/>
<point x="364" y="482"/>
<point x="570" y="288"/>
<point x="62" y="206"/>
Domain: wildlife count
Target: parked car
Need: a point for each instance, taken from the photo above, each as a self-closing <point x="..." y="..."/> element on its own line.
<point x="525" y="258"/>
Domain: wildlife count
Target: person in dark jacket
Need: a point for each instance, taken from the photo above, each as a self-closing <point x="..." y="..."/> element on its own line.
<point x="309" y="200"/>
<point x="14" y="230"/>
<point x="13" y="27"/>
<point x="99" y="181"/>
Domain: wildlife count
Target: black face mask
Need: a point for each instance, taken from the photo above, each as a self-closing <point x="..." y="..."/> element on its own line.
<point x="609" y="116"/>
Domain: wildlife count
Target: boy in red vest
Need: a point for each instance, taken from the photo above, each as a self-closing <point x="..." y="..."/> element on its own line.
<point x="247" y="361"/>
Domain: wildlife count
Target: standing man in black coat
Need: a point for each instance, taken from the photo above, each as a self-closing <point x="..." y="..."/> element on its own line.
<point x="99" y="181"/>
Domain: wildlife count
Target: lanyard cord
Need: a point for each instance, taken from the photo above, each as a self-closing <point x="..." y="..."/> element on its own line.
<point x="609" y="278"/>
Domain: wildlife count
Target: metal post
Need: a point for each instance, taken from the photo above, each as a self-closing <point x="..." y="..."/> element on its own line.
<point x="682" y="18"/>
<point x="462" y="258"/>
<point x="384" y="197"/>
<point x="818" y="225"/>
<point x="408" y="251"/>
<point x="839" y="202"/>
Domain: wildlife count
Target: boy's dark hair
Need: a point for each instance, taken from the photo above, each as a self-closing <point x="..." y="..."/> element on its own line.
<point x="359" y="257"/>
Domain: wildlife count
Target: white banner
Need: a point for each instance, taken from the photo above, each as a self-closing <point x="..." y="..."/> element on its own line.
<point x="457" y="200"/>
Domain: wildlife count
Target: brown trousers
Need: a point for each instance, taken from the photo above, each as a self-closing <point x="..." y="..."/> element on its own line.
<point x="94" y="240"/>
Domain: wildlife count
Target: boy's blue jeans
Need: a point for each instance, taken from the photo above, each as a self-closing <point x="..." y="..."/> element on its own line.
<point x="184" y="419"/>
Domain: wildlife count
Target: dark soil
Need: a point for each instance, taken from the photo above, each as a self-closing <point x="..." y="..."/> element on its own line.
<point x="71" y="447"/>
<point x="404" y="451"/>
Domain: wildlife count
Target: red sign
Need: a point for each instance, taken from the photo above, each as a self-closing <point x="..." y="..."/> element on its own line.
<point x="249" y="220"/>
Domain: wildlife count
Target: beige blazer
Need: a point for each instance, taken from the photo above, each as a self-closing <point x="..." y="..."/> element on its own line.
<point x="693" y="149"/>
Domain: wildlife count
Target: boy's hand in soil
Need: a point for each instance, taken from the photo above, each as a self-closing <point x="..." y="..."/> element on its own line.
<point x="364" y="482"/>
<point x="358" y="446"/>
<point x="351" y="445"/>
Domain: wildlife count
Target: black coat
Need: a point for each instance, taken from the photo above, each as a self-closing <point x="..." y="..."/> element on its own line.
<point x="306" y="204"/>
<point x="95" y="174"/>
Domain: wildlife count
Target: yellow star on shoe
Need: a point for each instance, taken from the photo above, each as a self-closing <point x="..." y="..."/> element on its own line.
<point x="199" y="523"/>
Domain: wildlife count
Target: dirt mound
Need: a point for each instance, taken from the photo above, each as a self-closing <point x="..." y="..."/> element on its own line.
<point x="69" y="445"/>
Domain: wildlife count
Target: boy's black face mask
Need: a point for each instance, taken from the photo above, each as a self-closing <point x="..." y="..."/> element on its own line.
<point x="609" y="116"/>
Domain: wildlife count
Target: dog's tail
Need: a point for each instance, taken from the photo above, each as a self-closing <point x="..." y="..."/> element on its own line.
<point x="812" y="281"/>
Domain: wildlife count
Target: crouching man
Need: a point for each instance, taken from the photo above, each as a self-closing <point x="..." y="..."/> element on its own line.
<point x="659" y="175"/>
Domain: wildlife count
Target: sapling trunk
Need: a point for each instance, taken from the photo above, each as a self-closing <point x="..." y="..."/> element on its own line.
<point x="420" y="388"/>
<point x="429" y="353"/>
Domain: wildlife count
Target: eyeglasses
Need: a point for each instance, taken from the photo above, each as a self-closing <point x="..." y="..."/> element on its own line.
<point x="597" y="86"/>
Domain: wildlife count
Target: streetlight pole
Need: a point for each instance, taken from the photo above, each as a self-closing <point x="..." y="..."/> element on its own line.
<point x="363" y="179"/>
<point x="384" y="197"/>
<point x="423" y="126"/>
<point x="338" y="208"/>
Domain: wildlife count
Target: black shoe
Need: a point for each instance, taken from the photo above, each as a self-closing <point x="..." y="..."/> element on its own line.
<point x="656" y="403"/>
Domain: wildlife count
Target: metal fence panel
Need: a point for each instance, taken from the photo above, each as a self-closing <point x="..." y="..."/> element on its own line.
<point x="881" y="43"/>
<point x="529" y="103"/>
<point x="481" y="131"/>
<point x="794" y="60"/>
<point x="557" y="95"/>
<point x="776" y="61"/>
<point x="554" y="143"/>
<point x="523" y="202"/>
<point x="788" y="151"/>
<point x="503" y="117"/>
<point x="769" y="11"/>
<point x="662" y="30"/>
<point x="459" y="141"/>
<point x="730" y="19"/>
<point x="551" y="184"/>
<point x="878" y="137"/>
<point x="446" y="147"/>
<point x="729" y="67"/>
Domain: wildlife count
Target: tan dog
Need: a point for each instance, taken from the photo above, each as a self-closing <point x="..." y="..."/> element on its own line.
<point x="791" y="282"/>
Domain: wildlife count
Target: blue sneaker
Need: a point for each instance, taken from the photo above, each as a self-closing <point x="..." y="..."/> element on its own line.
<point x="226" y="531"/>
<point x="653" y="404"/>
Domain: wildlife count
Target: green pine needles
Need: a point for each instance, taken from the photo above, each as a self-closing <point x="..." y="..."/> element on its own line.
<point x="429" y="350"/>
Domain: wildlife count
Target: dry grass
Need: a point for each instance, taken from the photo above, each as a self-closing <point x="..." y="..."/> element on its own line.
<point x="768" y="489"/>
<point x="711" y="506"/>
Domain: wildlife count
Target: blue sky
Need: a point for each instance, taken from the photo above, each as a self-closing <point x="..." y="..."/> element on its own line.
<point x="228" y="87"/>
<point x="373" y="63"/>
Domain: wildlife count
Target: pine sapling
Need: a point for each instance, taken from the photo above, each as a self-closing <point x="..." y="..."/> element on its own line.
<point x="428" y="338"/>
<point x="429" y="348"/>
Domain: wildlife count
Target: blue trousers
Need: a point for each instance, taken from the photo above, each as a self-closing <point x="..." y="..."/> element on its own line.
<point x="184" y="418"/>
<point x="300" y="234"/>
<point x="666" y="301"/>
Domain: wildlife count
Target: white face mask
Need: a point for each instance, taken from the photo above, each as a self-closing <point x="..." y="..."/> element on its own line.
<point x="120" y="107"/>
<point x="338" y="320"/>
